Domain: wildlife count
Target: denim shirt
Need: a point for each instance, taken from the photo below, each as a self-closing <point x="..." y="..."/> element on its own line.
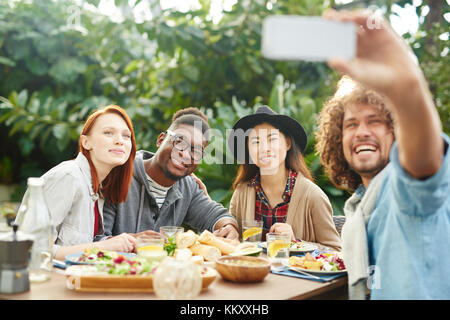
<point x="409" y="234"/>
<point x="70" y="198"/>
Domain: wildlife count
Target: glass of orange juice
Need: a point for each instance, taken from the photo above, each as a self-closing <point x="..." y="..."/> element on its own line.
<point x="278" y="247"/>
<point x="151" y="247"/>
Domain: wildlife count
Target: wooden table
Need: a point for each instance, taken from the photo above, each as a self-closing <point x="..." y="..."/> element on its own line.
<point x="274" y="287"/>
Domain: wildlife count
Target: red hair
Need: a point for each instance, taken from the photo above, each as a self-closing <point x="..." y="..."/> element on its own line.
<point x="115" y="186"/>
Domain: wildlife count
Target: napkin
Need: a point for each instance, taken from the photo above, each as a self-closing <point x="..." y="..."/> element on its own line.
<point x="323" y="277"/>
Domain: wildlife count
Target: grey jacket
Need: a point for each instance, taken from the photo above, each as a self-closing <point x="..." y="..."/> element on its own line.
<point x="185" y="203"/>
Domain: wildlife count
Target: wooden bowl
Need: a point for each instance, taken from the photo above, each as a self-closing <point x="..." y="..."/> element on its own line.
<point x="243" y="268"/>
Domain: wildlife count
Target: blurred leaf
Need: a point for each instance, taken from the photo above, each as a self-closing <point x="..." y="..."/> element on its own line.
<point x="60" y="130"/>
<point x="36" y="66"/>
<point x="7" y="61"/>
<point x="218" y="194"/>
<point x="26" y="146"/>
<point x="66" y="70"/>
<point x="276" y="99"/>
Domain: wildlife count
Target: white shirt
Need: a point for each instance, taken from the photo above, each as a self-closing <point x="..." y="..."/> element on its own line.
<point x="70" y="199"/>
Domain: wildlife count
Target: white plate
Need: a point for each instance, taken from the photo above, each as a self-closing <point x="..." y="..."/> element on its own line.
<point x="307" y="247"/>
<point x="317" y="272"/>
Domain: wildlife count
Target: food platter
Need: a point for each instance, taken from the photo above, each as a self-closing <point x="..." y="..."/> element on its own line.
<point x="73" y="259"/>
<point x="321" y="264"/>
<point x="316" y="272"/>
<point x="85" y="278"/>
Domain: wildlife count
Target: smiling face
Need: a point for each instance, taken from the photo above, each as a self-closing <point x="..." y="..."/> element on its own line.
<point x="366" y="140"/>
<point x="108" y="142"/>
<point x="268" y="148"/>
<point x="174" y="163"/>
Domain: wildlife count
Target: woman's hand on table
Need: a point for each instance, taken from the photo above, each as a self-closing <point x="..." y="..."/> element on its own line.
<point x="124" y="242"/>
<point x="145" y="233"/>
<point x="282" y="228"/>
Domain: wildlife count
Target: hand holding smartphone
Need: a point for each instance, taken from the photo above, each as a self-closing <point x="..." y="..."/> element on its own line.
<point x="307" y="38"/>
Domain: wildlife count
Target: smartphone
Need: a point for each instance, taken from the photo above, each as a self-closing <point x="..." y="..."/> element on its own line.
<point x="290" y="37"/>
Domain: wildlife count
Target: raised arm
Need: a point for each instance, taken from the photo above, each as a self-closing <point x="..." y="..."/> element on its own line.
<point x="385" y="63"/>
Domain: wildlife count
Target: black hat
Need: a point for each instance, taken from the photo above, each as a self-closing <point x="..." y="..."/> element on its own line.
<point x="266" y="114"/>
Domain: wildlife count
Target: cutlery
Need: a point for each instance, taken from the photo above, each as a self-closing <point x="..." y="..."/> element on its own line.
<point x="59" y="264"/>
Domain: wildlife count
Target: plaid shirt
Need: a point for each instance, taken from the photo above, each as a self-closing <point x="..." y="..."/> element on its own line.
<point x="263" y="211"/>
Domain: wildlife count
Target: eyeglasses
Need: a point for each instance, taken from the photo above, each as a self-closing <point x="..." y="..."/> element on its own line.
<point x="181" y="144"/>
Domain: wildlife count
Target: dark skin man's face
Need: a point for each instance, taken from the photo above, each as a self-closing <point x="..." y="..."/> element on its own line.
<point x="174" y="163"/>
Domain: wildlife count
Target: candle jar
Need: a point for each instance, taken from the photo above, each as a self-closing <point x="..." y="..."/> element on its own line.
<point x="177" y="280"/>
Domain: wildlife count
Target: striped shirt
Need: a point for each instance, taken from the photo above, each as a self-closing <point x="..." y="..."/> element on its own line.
<point x="158" y="191"/>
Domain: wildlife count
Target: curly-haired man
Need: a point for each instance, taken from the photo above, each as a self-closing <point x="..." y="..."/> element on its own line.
<point x="380" y="137"/>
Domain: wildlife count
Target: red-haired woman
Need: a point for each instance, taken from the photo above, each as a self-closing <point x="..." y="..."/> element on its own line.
<point x="75" y="189"/>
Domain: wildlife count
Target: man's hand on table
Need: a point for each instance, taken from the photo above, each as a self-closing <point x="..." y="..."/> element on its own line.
<point x="227" y="230"/>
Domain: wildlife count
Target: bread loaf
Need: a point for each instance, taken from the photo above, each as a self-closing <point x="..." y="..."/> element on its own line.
<point x="197" y="259"/>
<point x="208" y="238"/>
<point x="208" y="252"/>
<point x="183" y="254"/>
<point x="186" y="239"/>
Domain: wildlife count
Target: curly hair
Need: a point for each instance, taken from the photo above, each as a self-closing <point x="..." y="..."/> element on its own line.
<point x="329" y="133"/>
<point x="191" y="116"/>
<point x="191" y="111"/>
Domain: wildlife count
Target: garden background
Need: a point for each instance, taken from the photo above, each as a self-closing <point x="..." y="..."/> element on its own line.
<point x="59" y="60"/>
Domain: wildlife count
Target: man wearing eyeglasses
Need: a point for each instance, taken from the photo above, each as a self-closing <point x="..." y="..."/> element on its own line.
<point x="163" y="191"/>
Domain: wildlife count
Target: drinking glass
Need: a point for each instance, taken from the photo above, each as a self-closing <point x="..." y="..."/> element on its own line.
<point x="170" y="231"/>
<point x="252" y="230"/>
<point x="278" y="247"/>
<point x="151" y="247"/>
<point x="175" y="279"/>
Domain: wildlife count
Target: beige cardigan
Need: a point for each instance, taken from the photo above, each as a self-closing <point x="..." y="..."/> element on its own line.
<point x="309" y="214"/>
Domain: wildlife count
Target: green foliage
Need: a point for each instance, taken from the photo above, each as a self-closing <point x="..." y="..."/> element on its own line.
<point x="430" y="45"/>
<point x="435" y="62"/>
<point x="59" y="61"/>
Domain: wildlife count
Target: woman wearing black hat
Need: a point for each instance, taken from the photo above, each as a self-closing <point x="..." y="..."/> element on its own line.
<point x="273" y="183"/>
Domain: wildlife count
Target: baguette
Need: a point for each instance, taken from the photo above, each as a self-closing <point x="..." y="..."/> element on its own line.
<point x="183" y="254"/>
<point x="234" y="242"/>
<point x="208" y="238"/>
<point x="209" y="253"/>
<point x="186" y="239"/>
<point x="197" y="259"/>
